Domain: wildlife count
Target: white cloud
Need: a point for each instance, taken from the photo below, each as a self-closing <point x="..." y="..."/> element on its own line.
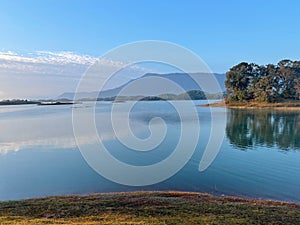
<point x="53" y="62"/>
<point x="48" y="57"/>
<point x="64" y="58"/>
<point x="43" y="62"/>
<point x="48" y="74"/>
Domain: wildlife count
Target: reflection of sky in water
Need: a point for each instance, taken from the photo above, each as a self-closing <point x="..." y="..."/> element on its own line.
<point x="39" y="155"/>
<point x="34" y="126"/>
<point x="30" y="125"/>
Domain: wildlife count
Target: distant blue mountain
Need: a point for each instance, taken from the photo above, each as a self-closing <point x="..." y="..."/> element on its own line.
<point x="182" y="79"/>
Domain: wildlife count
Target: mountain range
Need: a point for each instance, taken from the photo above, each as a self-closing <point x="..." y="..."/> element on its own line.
<point x="181" y="79"/>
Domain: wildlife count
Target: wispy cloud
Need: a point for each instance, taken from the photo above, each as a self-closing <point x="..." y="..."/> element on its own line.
<point x="52" y="62"/>
<point x="48" y="74"/>
<point x="45" y="62"/>
<point x="48" y="57"/>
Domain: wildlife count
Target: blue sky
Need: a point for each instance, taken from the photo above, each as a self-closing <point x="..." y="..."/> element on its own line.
<point x="222" y="33"/>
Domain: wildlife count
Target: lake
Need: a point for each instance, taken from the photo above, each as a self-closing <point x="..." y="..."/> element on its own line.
<point x="259" y="156"/>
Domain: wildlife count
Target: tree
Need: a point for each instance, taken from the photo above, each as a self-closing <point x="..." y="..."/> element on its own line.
<point x="270" y="83"/>
<point x="239" y="79"/>
<point x="267" y="86"/>
<point x="287" y="79"/>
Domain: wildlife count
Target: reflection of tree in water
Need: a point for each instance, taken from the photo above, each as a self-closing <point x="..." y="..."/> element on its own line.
<point x="248" y="128"/>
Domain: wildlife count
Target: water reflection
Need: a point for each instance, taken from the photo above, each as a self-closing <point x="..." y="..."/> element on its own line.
<point x="39" y="157"/>
<point x="249" y="128"/>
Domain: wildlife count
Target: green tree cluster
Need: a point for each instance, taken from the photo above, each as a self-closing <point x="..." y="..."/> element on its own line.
<point x="270" y="83"/>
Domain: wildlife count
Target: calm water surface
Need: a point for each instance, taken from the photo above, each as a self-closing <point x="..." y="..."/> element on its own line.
<point x="259" y="157"/>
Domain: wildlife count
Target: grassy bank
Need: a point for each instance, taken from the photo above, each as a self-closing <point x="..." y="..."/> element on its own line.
<point x="293" y="105"/>
<point x="148" y="208"/>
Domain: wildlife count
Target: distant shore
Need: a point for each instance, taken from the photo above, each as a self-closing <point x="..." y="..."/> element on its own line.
<point x="295" y="105"/>
<point x="148" y="208"/>
<point x="29" y="102"/>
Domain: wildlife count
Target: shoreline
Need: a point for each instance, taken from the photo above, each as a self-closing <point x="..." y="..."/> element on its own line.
<point x="148" y="207"/>
<point x="256" y="105"/>
<point x="117" y="193"/>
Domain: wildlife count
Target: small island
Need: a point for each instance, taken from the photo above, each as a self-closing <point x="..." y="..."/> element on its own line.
<point x="249" y="85"/>
<point x="55" y="103"/>
<point x="18" y="102"/>
<point x="33" y="102"/>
